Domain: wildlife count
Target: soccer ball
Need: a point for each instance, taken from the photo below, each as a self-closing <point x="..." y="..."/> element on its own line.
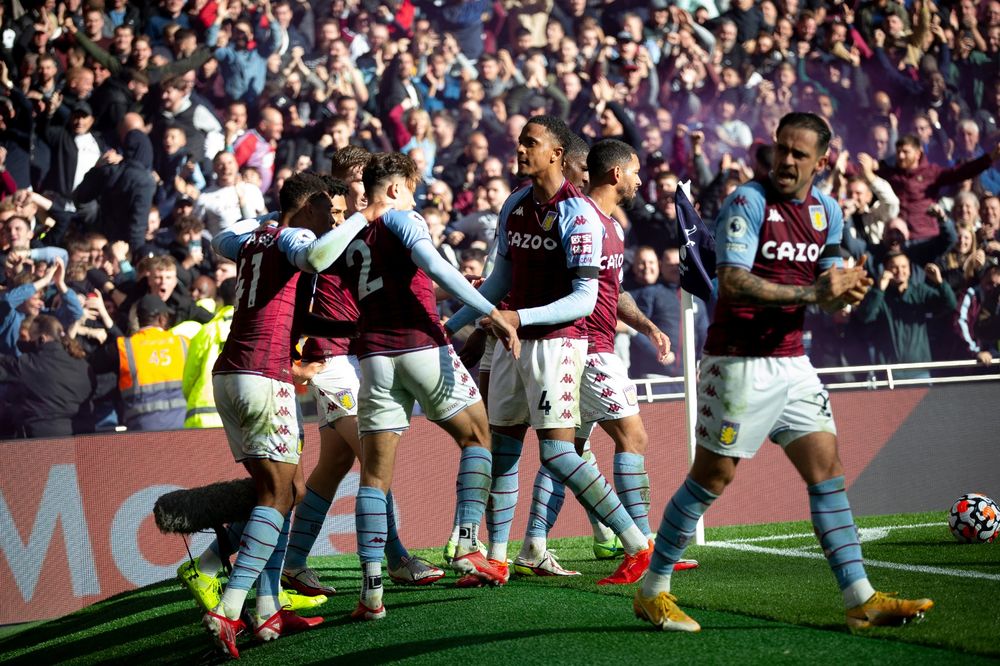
<point x="974" y="518"/>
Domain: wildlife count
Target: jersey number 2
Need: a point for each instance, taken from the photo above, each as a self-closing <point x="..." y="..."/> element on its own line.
<point x="365" y="286"/>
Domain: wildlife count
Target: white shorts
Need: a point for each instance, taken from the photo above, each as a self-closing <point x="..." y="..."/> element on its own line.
<point x="434" y="377"/>
<point x="606" y="392"/>
<point x="542" y="388"/>
<point x="261" y="417"/>
<point x="486" y="362"/>
<point x="335" y="388"/>
<point x="742" y="401"/>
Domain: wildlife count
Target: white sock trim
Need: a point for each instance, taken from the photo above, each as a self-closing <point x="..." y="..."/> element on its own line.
<point x="857" y="593"/>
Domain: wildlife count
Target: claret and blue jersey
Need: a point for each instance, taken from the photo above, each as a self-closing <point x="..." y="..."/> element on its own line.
<point x="782" y="241"/>
<point x="548" y="246"/>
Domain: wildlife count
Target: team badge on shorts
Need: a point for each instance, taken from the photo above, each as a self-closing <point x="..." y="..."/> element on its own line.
<point x="630" y="395"/>
<point x="549" y="220"/>
<point x="817" y="215"/>
<point x="729" y="432"/>
<point x="345" y="399"/>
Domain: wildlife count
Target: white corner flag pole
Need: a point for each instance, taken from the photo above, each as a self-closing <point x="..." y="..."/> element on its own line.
<point x="690" y="390"/>
<point x="690" y="378"/>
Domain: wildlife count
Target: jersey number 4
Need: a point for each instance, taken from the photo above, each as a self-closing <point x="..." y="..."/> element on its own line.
<point x="365" y="286"/>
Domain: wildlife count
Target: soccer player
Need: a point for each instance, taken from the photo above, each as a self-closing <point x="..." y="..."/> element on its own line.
<point x="335" y="388"/>
<point x="778" y="244"/>
<point x="255" y="396"/>
<point x="607" y="395"/>
<point x="405" y="357"/>
<point x="548" y="261"/>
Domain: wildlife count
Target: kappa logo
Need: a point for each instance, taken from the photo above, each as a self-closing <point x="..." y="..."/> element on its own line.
<point x="591" y="362"/>
<point x="566" y="414"/>
<point x="567" y="397"/>
<point x="283" y="430"/>
<point x="607" y="392"/>
<point x="472" y="391"/>
<point x="519" y="211"/>
<point x="711" y="392"/>
<point x="579" y="221"/>
<point x="284" y="411"/>
<point x="567" y="343"/>
<point x="614" y="408"/>
<point x="774" y="216"/>
<point x="706" y="411"/>
<point x="600" y="377"/>
<point x="740" y="200"/>
<point x="702" y="432"/>
<point x="465" y="378"/>
<point x="567" y="361"/>
<point x="331" y="407"/>
<point x="714" y="371"/>
<point x="377" y="539"/>
<point x="457" y="364"/>
<point x="283" y="393"/>
<point x="567" y="379"/>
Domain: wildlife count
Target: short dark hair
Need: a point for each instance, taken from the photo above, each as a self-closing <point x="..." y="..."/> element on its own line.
<point x="347" y="158"/>
<point x="808" y="121"/>
<point x="576" y="146"/>
<point x="384" y="166"/>
<point x="298" y="189"/>
<point x="188" y="224"/>
<point x="556" y="126"/>
<point x="909" y="140"/>
<point x="605" y="155"/>
<point x="335" y="187"/>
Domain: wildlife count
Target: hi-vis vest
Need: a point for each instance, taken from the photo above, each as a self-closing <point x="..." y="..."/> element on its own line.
<point x="205" y="349"/>
<point x="151" y="365"/>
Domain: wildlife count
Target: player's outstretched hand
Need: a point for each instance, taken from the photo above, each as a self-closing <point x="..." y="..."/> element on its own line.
<point x="473" y="349"/>
<point x="504" y="324"/>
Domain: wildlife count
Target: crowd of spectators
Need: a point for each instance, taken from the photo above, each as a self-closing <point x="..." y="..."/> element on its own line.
<point x="130" y="133"/>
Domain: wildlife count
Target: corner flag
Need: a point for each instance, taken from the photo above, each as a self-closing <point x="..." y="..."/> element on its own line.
<point x="698" y="251"/>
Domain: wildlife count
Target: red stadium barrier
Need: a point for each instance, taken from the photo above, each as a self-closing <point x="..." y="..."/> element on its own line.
<point x="76" y="524"/>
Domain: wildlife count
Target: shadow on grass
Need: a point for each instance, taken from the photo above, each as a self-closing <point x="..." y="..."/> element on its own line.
<point x="390" y="653"/>
<point x="92" y="643"/>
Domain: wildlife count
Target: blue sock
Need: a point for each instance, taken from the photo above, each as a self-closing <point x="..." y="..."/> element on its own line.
<point x="632" y="486"/>
<point x="395" y="552"/>
<point x="680" y="518"/>
<point x="370" y="524"/>
<point x="546" y="502"/>
<point x="309" y="517"/>
<point x="503" y="493"/>
<point x="259" y="539"/>
<point x="586" y="482"/>
<point x="475" y="469"/>
<point x="269" y="583"/>
<point x="834" y="526"/>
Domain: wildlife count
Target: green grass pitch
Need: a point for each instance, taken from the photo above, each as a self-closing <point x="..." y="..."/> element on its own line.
<point x="763" y="593"/>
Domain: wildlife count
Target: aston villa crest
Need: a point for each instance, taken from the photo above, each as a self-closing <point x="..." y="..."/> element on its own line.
<point x="549" y="220"/>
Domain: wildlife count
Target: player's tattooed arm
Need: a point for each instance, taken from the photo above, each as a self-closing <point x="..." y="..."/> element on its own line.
<point x="630" y="313"/>
<point x="741" y="286"/>
<point x="830" y="290"/>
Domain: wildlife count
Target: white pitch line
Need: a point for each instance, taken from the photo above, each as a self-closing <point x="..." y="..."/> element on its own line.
<point x="810" y="535"/>
<point x="915" y="568"/>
